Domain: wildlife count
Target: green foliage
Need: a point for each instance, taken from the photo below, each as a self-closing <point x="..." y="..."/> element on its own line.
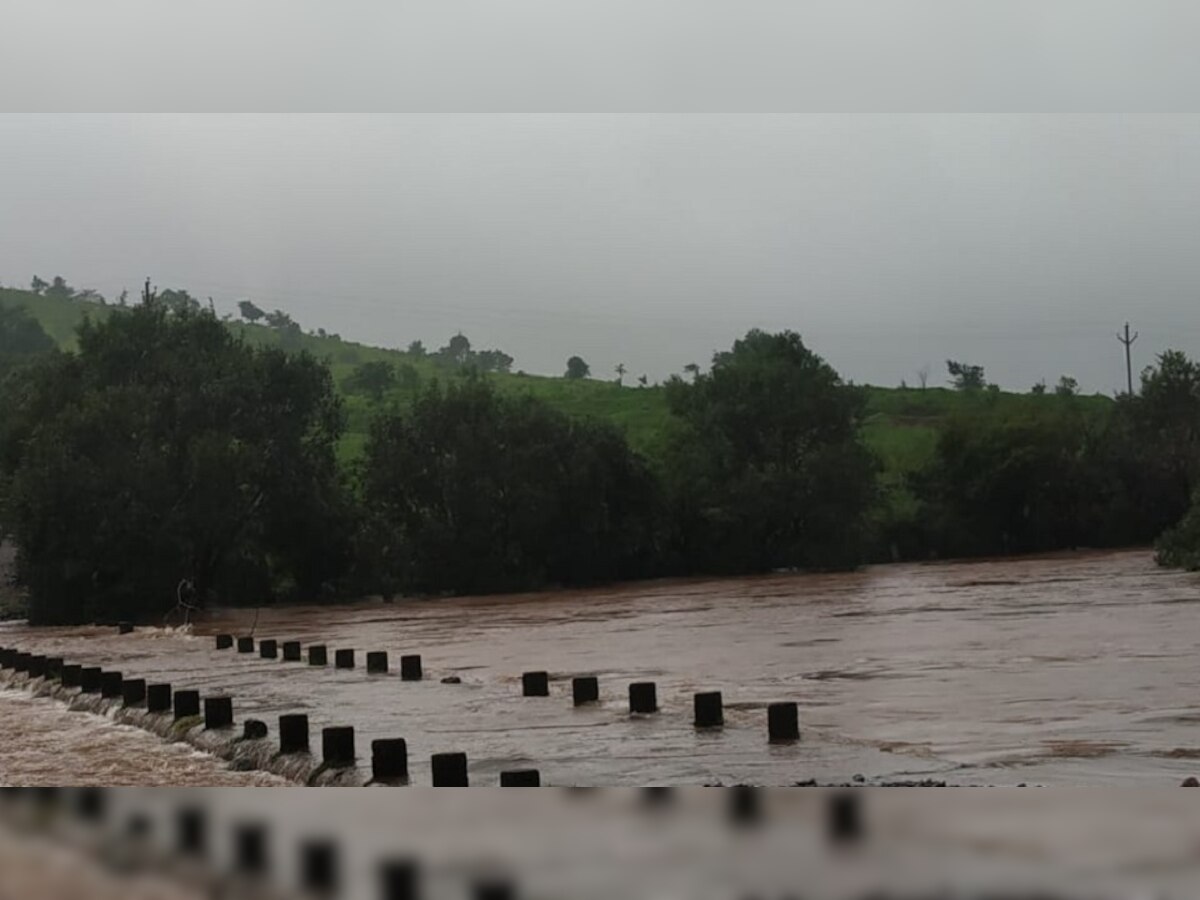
<point x="1066" y="387"/>
<point x="1128" y="466"/>
<point x="59" y="288"/>
<point x="577" y="368"/>
<point x="1005" y="486"/>
<point x="249" y="311"/>
<point x="474" y="491"/>
<point x="1179" y="546"/>
<point x="21" y="337"/>
<point x="965" y="377"/>
<point x="457" y="356"/>
<point x="373" y="379"/>
<point x="768" y="468"/>
<point x="1059" y="475"/>
<point x="166" y="450"/>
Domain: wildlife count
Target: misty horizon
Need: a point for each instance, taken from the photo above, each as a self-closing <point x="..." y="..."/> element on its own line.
<point x="890" y="243"/>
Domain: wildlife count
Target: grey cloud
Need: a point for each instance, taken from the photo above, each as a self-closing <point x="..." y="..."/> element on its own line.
<point x="1019" y="242"/>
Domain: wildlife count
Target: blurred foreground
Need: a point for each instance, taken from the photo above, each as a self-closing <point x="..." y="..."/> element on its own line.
<point x="599" y="843"/>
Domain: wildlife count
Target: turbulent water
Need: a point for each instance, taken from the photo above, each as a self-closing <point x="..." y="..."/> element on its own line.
<point x="1076" y="669"/>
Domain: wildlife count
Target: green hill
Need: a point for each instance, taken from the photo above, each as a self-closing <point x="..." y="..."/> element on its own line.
<point x="901" y="426"/>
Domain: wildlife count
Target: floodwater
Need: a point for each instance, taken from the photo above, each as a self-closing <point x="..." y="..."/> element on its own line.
<point x="1067" y="670"/>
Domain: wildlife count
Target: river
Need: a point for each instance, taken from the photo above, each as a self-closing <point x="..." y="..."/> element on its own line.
<point x="1075" y="669"/>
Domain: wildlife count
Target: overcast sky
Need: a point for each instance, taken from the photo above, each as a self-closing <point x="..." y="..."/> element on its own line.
<point x="1021" y="243"/>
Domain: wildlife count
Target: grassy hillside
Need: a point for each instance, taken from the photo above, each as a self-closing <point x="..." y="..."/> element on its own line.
<point x="902" y="423"/>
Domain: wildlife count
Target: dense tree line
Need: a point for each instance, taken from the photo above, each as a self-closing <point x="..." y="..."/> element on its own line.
<point x="166" y="459"/>
<point x="1059" y="475"/>
<point x="474" y="491"/>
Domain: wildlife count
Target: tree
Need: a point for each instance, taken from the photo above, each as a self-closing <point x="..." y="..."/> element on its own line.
<point x="249" y="311"/>
<point x="493" y="361"/>
<point x="1166" y="417"/>
<point x="373" y="379"/>
<point x="693" y="370"/>
<point x="59" y="288"/>
<point x="165" y="449"/>
<point x="457" y="351"/>
<point x="1012" y="485"/>
<point x="281" y="321"/>
<point x="416" y="348"/>
<point x="473" y="491"/>
<point x="577" y="368"/>
<point x="1066" y="387"/>
<point x="643" y="381"/>
<point x="923" y="376"/>
<point x="1039" y="388"/>
<point x="37" y="285"/>
<point x="178" y="300"/>
<point x="21" y="337"/>
<point x="620" y="370"/>
<point x="965" y="377"/>
<point x="766" y="465"/>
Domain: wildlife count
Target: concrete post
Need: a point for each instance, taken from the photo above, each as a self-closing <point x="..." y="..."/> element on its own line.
<point x="585" y="689"/>
<point x="643" y="697"/>
<point x="844" y="820"/>
<point x="783" y="723"/>
<point x="319" y="868"/>
<point x="293" y="733"/>
<point x="254" y="730"/>
<point x="250" y="850"/>
<point x="535" y="684"/>
<point x="709" y="710"/>
<point x="54" y="666"/>
<point x="291" y="651"/>
<point x="337" y="747"/>
<point x="317" y="655"/>
<point x="158" y="698"/>
<point x="449" y="769"/>
<point x="389" y="759"/>
<point x="245" y="645"/>
<point x="89" y="679"/>
<point x="398" y="880"/>
<point x="218" y="713"/>
<point x="91" y="804"/>
<point x="187" y="704"/>
<point x="224" y="641"/>
<point x="268" y="649"/>
<point x="377" y="662"/>
<point x="343" y="659"/>
<point x="192" y="832"/>
<point x="124" y="627"/>
<point x="71" y="675"/>
<point x="521" y="778"/>
<point x="410" y="668"/>
<point x="745" y="804"/>
<point x="133" y="691"/>
<point x="110" y="684"/>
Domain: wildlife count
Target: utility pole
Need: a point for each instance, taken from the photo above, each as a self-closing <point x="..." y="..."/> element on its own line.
<point x="1128" y="342"/>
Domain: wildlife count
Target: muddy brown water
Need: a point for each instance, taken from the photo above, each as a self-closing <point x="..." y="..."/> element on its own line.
<point x="1078" y="669"/>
